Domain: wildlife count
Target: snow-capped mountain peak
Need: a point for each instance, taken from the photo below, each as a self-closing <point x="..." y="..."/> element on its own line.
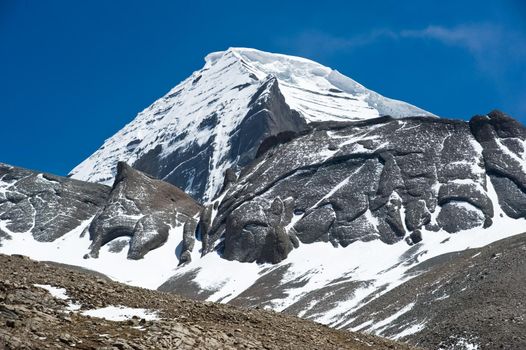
<point x="203" y="120"/>
<point x="318" y="92"/>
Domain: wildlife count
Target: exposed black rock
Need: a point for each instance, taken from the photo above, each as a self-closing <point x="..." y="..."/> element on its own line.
<point x="48" y="206"/>
<point x="378" y="179"/>
<point x="257" y="234"/>
<point x="189" y="169"/>
<point x="142" y="208"/>
<point x="503" y="140"/>
<point x="189" y="230"/>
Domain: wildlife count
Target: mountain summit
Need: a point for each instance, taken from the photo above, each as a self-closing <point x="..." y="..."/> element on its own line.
<point x="298" y="190"/>
<point x="217" y="118"/>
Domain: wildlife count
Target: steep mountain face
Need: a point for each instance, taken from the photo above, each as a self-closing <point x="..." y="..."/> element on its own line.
<point x="504" y="149"/>
<point x="319" y="198"/>
<point x="381" y="179"/>
<point x="217" y="118"/>
<point x="386" y="179"/>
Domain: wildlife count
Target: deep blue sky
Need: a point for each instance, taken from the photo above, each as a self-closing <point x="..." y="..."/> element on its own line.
<point x="72" y="73"/>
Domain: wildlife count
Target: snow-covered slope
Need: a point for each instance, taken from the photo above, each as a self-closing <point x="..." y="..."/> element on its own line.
<point x="195" y="123"/>
<point x="330" y="206"/>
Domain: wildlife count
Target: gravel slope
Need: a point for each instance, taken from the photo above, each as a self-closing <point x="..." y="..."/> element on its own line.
<point x="32" y="318"/>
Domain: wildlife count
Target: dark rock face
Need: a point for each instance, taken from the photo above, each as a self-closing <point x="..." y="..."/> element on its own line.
<point x="188" y="241"/>
<point x="257" y="233"/>
<point x="503" y="140"/>
<point x="189" y="168"/>
<point x="268" y="117"/>
<point x="137" y="206"/>
<point x="380" y="179"/>
<point x="141" y="208"/>
<point x="46" y="205"/>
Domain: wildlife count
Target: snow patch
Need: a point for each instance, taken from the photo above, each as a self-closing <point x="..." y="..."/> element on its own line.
<point x="121" y="313"/>
<point x="150" y="272"/>
<point x="61" y="294"/>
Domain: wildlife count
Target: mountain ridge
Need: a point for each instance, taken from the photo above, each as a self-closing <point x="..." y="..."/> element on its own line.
<point x="199" y="117"/>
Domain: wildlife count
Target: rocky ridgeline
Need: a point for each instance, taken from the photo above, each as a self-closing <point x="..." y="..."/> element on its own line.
<point x="31" y="318"/>
<point x="336" y="182"/>
<point x="46" y="205"/>
<point x="379" y="179"/>
<point x="137" y="206"/>
<point x="143" y="208"/>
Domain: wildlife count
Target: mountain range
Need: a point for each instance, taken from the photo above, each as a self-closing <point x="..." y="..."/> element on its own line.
<point x="272" y="181"/>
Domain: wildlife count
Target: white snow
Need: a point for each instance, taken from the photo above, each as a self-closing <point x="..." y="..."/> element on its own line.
<point x="111" y="313"/>
<point x="172" y="122"/>
<point x="463" y="343"/>
<point x="61" y="294"/>
<point x="412" y="329"/>
<point x="319" y="264"/>
<point x="379" y="326"/>
<point x="121" y="313"/>
<point x="56" y="292"/>
<point x="150" y="272"/>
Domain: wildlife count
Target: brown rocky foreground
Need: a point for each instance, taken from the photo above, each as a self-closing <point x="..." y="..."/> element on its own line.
<point x="31" y="318"/>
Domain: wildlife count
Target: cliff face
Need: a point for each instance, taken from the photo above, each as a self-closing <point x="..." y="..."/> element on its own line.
<point x="386" y="179"/>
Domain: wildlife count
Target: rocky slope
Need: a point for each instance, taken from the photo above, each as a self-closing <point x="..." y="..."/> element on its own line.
<point x="33" y="318"/>
<point x="138" y="212"/>
<point x="336" y="218"/>
<point x="470" y="299"/>
<point x="45" y="205"/>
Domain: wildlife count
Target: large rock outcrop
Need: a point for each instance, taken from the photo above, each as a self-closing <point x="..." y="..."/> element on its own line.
<point x="137" y="206"/>
<point x="384" y="179"/>
<point x="503" y="140"/>
<point x="142" y="208"/>
<point x="46" y="205"/>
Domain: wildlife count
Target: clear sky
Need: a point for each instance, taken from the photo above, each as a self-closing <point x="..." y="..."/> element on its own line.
<point x="72" y="73"/>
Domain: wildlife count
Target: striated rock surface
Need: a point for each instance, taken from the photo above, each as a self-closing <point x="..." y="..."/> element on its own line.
<point x="504" y="148"/>
<point x="137" y="207"/>
<point x="45" y="205"/>
<point x="381" y="179"/>
<point x="142" y="208"/>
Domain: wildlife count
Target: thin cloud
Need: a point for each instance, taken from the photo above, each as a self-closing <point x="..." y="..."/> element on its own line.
<point x="482" y="39"/>
<point x="473" y="37"/>
<point x="494" y="47"/>
<point x="498" y="51"/>
<point x="316" y="43"/>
